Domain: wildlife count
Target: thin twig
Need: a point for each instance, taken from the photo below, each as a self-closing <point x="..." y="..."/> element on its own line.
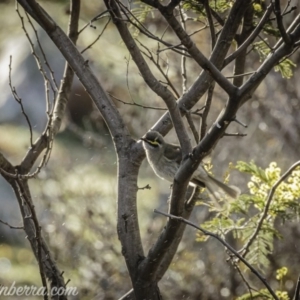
<point x="10" y="226"/>
<point x="158" y="66"/>
<point x="19" y="100"/>
<point x="183" y="57"/>
<point x="44" y="56"/>
<point x="208" y="101"/>
<point x="197" y="111"/>
<point x="251" y="37"/>
<point x="26" y="200"/>
<point x="146" y="187"/>
<point x="47" y="82"/>
<point x="239" y="122"/>
<point x="240" y="75"/>
<point x="37" y="60"/>
<point x="297" y="290"/>
<point x="217" y="237"/>
<point x="294" y="24"/>
<point x="97" y="38"/>
<point x="98" y="17"/>
<point x="194" y="51"/>
<point x="211" y="23"/>
<point x="136" y="104"/>
<point x="236" y="266"/>
<point x="235" y="134"/>
<point x="191" y="124"/>
<point x="142" y="29"/>
<point x="177" y="46"/>
<point x="277" y="10"/>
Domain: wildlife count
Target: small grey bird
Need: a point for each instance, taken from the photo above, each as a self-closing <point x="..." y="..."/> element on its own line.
<point x="165" y="160"/>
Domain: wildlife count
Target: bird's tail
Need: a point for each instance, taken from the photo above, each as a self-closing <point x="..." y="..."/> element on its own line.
<point x="214" y="186"/>
<point x="230" y="190"/>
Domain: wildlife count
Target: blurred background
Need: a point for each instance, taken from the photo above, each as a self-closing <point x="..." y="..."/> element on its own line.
<point x="75" y="194"/>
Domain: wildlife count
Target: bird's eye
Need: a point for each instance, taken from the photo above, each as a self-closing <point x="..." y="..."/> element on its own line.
<point x="153" y="143"/>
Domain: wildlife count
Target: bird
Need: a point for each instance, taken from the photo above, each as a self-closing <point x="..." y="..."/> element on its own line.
<point x="165" y="159"/>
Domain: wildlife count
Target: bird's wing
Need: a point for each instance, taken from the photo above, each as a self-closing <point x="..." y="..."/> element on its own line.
<point x="173" y="152"/>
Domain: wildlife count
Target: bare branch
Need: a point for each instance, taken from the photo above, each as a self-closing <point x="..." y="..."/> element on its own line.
<point x="236" y="266"/>
<point x="206" y="110"/>
<point x="79" y="66"/>
<point x="98" y="37"/>
<point x="136" y="104"/>
<point x="158" y="66"/>
<point x="98" y="17"/>
<point x="227" y="246"/>
<point x="240" y="75"/>
<point x="54" y="89"/>
<point x="156" y="261"/>
<point x="240" y="62"/>
<point x="291" y="28"/>
<point x="31" y="214"/>
<point x="7" y="167"/>
<point x="142" y="29"/>
<point x="146" y="187"/>
<point x="192" y="126"/>
<point x="167" y="243"/>
<point x="54" y="119"/>
<point x="239" y="122"/>
<point x="149" y="78"/>
<point x="251" y="37"/>
<point x="176" y="47"/>
<point x="10" y="226"/>
<point x="34" y="9"/>
<point x="202" y="83"/>
<point x="19" y="100"/>
<point x="277" y="10"/>
<point x="211" y="23"/>
<point x="272" y="60"/>
<point x="31" y="227"/>
<point x="197" y="55"/>
<point x="235" y="134"/>
<point x="37" y="60"/>
<point x="183" y="57"/>
<point x="297" y="290"/>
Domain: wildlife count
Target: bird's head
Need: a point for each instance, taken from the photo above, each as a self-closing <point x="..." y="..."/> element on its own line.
<point x="153" y="140"/>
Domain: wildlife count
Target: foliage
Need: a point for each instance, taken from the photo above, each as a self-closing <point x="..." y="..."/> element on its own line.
<point x="264" y="294"/>
<point x="139" y="14"/>
<point x="220" y="6"/>
<point x="261" y="47"/>
<point x="248" y="216"/>
<point x="284" y="67"/>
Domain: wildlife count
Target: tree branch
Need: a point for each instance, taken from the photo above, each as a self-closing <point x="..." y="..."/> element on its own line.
<point x="247" y="89"/>
<point x="251" y="37"/>
<point x="227" y="246"/>
<point x="170" y="237"/>
<point x="148" y="77"/>
<point x="83" y="71"/>
<point x="161" y="254"/>
<point x="240" y="62"/>
<point x="32" y="228"/>
<point x="195" y="53"/>
<point x="277" y="10"/>
<point x="202" y="83"/>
